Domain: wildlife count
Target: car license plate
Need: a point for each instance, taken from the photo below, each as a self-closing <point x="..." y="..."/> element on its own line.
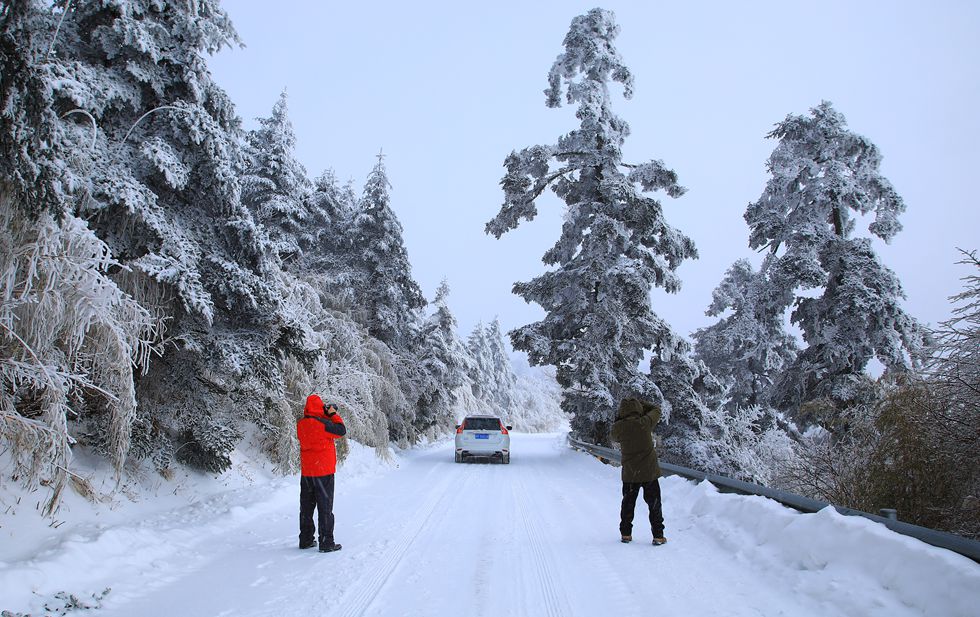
<point x="482" y="436"/>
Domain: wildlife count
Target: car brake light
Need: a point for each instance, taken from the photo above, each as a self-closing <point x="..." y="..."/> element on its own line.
<point x="503" y="429"/>
<point x="459" y="429"/>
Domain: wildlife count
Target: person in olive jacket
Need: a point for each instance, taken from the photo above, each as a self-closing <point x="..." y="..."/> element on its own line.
<point x="319" y="427"/>
<point x="633" y="430"/>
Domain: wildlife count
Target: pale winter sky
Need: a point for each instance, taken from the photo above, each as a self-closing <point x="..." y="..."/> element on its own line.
<point x="448" y="89"/>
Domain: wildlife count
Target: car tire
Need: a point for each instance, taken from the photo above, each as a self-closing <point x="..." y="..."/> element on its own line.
<point x="459" y="457"/>
<point x="506" y="460"/>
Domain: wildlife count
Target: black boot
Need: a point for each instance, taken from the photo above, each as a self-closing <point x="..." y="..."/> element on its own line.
<point x="329" y="547"/>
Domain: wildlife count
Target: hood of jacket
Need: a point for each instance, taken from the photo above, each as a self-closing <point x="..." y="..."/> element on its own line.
<point x="314" y="406"/>
<point x="630" y="407"/>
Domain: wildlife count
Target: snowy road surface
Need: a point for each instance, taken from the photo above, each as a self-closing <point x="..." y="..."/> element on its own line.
<point x="537" y="537"/>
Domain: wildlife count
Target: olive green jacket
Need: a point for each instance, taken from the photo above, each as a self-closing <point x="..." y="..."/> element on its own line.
<point x="633" y="430"/>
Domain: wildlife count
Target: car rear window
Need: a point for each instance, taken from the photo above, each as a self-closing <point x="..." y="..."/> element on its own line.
<point x="481" y="424"/>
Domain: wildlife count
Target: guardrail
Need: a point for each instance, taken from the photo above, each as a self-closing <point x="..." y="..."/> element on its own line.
<point x="958" y="544"/>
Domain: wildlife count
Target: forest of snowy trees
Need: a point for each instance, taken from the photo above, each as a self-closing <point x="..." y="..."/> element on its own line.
<point x="173" y="282"/>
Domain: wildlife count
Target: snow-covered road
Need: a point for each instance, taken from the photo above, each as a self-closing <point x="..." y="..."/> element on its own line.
<point x="537" y="537"/>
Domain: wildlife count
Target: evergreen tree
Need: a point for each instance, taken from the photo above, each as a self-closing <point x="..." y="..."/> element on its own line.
<point x="615" y="244"/>
<point x="327" y="263"/>
<point x="748" y="347"/>
<point x="502" y="377"/>
<point x="275" y="186"/>
<point x="445" y="362"/>
<point x="161" y="189"/>
<point x="70" y="338"/>
<point x="822" y="176"/>
<point x="389" y="296"/>
<point x="34" y="142"/>
<point x="480" y="369"/>
<point x="493" y="379"/>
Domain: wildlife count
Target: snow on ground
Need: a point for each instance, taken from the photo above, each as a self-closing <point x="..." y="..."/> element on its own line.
<point x="425" y="536"/>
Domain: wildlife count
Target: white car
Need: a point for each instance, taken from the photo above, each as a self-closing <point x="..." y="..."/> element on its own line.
<point x="483" y="437"/>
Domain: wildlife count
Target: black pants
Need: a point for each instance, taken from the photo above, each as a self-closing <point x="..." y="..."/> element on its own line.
<point x="651" y="495"/>
<point x="316" y="492"/>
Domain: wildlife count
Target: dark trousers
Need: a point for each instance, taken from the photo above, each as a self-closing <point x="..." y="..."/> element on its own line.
<point x="316" y="492"/>
<point x="651" y="495"/>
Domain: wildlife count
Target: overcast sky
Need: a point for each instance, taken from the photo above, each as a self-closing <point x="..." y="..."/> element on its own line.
<point x="448" y="89"/>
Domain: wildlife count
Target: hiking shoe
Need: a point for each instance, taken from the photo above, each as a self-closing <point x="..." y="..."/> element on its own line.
<point x="626" y="539"/>
<point x="659" y="541"/>
<point x="309" y="544"/>
<point x="329" y="548"/>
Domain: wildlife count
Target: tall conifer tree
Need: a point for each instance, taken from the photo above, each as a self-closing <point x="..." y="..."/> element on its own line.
<point x="822" y="177"/>
<point x="749" y="347"/>
<point x="275" y="186"/>
<point x="615" y="244"/>
<point x="161" y="187"/>
<point x="390" y="296"/>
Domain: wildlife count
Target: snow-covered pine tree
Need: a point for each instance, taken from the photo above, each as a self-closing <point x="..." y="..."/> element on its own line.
<point x="615" y="244"/>
<point x="70" y="338"/>
<point x="161" y="188"/>
<point x="749" y="345"/>
<point x="34" y="143"/>
<point x="275" y="186"/>
<point x="822" y="177"/>
<point x="445" y="363"/>
<point x="502" y="377"/>
<point x="389" y="296"/>
<point x="481" y="374"/>
<point x="492" y="378"/>
<point x="327" y="263"/>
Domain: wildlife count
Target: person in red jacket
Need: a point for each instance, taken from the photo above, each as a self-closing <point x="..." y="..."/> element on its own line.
<point x="317" y="430"/>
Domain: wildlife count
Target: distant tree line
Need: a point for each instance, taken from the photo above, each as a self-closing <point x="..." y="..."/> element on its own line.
<point x="173" y="283"/>
<point x="747" y="400"/>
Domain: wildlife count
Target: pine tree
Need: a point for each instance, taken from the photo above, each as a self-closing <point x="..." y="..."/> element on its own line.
<point x="502" y="374"/>
<point x="34" y="142"/>
<point x="480" y="370"/>
<point x="748" y="347"/>
<point x="70" y="338"/>
<point x="822" y="176"/>
<point x="389" y="296"/>
<point x="615" y="244"/>
<point x="275" y="186"/>
<point x="327" y="262"/>
<point x="161" y="188"/>
<point x="445" y="362"/>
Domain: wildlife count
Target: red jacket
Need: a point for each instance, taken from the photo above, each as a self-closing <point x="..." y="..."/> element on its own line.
<point x="317" y="432"/>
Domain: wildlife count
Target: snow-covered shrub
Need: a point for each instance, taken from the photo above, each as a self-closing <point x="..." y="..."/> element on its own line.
<point x="888" y="454"/>
<point x="71" y="341"/>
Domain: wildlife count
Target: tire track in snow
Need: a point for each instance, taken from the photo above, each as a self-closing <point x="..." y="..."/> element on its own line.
<point x="358" y="599"/>
<point x="604" y="574"/>
<point x="555" y="602"/>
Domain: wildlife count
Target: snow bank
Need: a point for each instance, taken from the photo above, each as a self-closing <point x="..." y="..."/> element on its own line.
<point x="138" y="532"/>
<point x="860" y="560"/>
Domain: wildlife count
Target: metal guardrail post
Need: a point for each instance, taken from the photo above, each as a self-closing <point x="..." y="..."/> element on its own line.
<point x="888" y="518"/>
